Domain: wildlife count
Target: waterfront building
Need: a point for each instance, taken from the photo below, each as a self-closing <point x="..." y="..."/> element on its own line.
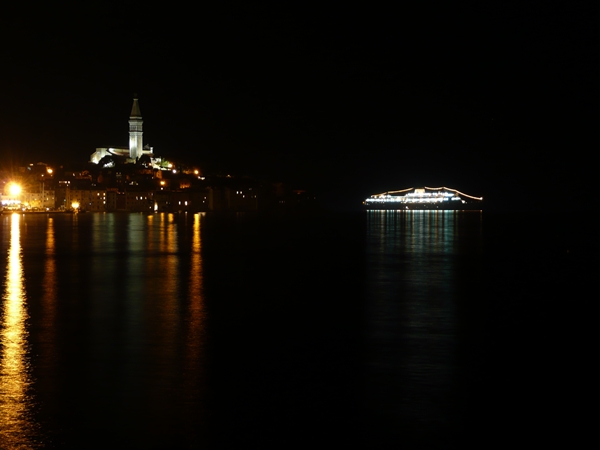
<point x="87" y="199"/>
<point x="38" y="200"/>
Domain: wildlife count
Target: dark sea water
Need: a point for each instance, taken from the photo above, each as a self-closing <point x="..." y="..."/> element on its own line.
<point x="374" y="329"/>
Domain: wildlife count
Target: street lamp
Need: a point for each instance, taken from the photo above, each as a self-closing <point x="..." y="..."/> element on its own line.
<point x="14" y="189"/>
<point x="13" y="199"/>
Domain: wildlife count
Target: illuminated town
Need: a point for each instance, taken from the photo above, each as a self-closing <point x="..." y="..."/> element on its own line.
<point x="134" y="179"/>
<point x="423" y="198"/>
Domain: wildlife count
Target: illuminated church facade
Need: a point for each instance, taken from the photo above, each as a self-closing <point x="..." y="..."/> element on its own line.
<point x="136" y="144"/>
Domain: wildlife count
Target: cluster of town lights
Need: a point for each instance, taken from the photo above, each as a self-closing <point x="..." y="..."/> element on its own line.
<point x="12" y="201"/>
<point x="15" y="198"/>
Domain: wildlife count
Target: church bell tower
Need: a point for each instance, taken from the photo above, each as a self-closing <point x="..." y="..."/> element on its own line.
<point x="135" y="131"/>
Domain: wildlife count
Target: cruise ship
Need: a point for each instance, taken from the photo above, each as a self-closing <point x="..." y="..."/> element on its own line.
<point x="426" y="198"/>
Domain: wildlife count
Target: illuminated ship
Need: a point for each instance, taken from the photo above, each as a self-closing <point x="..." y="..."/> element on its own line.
<point x="427" y="198"/>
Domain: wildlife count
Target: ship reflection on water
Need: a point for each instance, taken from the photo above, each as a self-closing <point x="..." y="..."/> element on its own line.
<point x="414" y="287"/>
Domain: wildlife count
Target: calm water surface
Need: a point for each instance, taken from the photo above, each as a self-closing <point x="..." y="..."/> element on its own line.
<point x="203" y="331"/>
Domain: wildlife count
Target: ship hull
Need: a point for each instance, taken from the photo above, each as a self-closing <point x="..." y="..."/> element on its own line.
<point x="423" y="207"/>
<point x="424" y="199"/>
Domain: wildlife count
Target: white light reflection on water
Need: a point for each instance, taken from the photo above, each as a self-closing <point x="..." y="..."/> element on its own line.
<point x="414" y="284"/>
<point x="17" y="427"/>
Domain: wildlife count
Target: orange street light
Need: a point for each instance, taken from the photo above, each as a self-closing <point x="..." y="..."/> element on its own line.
<point x="14" y="189"/>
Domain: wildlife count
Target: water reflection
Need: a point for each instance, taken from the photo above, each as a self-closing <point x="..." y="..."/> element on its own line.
<point x="49" y="282"/>
<point x="413" y="284"/>
<point x="195" y="293"/>
<point x="48" y="328"/>
<point x="16" y="423"/>
<point x="195" y="381"/>
<point x="168" y="246"/>
<point x="116" y="321"/>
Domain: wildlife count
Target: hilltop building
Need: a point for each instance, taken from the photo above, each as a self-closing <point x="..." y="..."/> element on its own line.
<point x="136" y="146"/>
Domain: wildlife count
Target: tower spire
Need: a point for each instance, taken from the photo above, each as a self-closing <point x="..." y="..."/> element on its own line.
<point x="135" y="109"/>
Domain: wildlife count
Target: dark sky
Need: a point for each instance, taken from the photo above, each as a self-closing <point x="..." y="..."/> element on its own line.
<point x="495" y="100"/>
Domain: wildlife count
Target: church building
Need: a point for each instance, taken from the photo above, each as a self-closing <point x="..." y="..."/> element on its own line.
<point x="136" y="147"/>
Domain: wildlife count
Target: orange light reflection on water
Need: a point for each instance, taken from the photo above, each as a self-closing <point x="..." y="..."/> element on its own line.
<point x="196" y="291"/>
<point x="16" y="424"/>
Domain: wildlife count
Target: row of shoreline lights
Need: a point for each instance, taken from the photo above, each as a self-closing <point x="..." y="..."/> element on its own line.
<point x="15" y="190"/>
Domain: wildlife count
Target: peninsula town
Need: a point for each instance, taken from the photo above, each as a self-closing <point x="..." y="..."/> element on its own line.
<point x="134" y="179"/>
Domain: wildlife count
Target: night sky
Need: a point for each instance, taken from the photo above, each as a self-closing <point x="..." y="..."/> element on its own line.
<point x="498" y="99"/>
